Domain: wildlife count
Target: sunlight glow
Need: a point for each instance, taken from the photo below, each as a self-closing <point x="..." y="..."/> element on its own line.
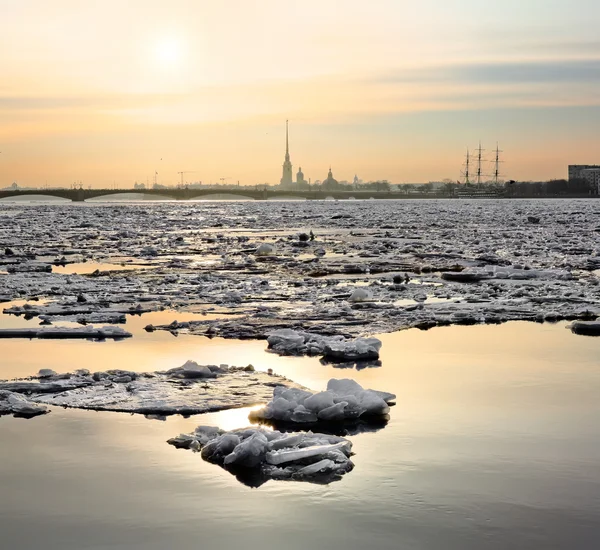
<point x="169" y="52"/>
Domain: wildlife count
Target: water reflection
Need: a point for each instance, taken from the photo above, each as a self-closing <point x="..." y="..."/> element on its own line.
<point x="494" y="444"/>
<point x="358" y="365"/>
<point x="88" y="268"/>
<point x="346" y="428"/>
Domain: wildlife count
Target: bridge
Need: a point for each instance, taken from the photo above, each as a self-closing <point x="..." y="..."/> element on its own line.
<point x="81" y="195"/>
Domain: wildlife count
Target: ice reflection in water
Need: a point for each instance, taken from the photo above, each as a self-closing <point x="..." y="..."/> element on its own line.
<point x="494" y="444"/>
<point x="86" y="268"/>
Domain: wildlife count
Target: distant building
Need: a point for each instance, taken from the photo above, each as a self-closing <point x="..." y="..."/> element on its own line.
<point x="576" y="170"/>
<point x="587" y="172"/>
<point x="300" y="181"/>
<point x="330" y="182"/>
<point x="286" y="177"/>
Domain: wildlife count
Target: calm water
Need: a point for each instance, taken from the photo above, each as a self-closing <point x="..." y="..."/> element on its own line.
<point x="494" y="444"/>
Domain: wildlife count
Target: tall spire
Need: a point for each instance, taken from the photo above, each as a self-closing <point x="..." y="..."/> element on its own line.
<point x="287" y="144"/>
<point x="286" y="177"/>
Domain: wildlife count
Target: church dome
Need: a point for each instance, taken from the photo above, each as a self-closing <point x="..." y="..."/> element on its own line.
<point x="330" y="181"/>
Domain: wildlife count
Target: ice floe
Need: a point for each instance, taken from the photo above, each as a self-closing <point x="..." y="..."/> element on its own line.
<point x="334" y="348"/>
<point x="344" y="400"/>
<point x="256" y="455"/>
<point x="189" y="389"/>
<point x="62" y="333"/>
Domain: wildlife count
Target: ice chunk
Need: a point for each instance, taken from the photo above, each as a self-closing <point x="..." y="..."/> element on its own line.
<point x="334" y="413"/>
<point x="265" y="249"/>
<point x="191" y="369"/>
<point x="281" y="406"/>
<point x="344" y="386"/>
<point x="588" y="328"/>
<point x="19" y="405"/>
<point x="342" y="401"/>
<point x="302" y="415"/>
<point x="249" y="453"/>
<point x="337" y="348"/>
<point x="373" y="404"/>
<point x="295" y="455"/>
<point x="361" y="349"/>
<point x="361" y="295"/>
<point x="46" y="373"/>
<point x="319" y="401"/>
<point x="323" y="466"/>
<point x="256" y="455"/>
<point x="224" y="445"/>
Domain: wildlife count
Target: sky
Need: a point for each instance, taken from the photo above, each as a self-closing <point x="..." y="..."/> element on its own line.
<point x="108" y="92"/>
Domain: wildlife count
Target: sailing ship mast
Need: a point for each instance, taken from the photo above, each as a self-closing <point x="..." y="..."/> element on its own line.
<point x="497" y="165"/>
<point x="479" y="165"/>
<point x="466" y="173"/>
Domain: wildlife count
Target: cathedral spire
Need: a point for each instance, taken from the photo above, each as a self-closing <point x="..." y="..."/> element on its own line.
<point x="287" y="144"/>
<point x="286" y="177"/>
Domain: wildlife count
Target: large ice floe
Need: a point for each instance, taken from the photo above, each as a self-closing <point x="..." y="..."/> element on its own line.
<point x="256" y="455"/>
<point x="344" y="401"/>
<point x="189" y="389"/>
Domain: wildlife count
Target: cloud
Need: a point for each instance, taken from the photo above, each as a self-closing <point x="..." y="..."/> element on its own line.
<point x="558" y="71"/>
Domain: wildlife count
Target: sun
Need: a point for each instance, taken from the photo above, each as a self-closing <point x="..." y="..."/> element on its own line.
<point x="169" y="52"/>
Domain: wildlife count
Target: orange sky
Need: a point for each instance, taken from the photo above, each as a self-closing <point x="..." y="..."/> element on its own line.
<point x="100" y="92"/>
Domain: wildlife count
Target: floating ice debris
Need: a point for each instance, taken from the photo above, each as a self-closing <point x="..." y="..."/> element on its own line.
<point x="58" y="333"/>
<point x="256" y="455"/>
<point x="464" y="276"/>
<point x="361" y="349"/>
<point x="149" y="251"/>
<point x="506" y="268"/>
<point x="18" y="405"/>
<point x="191" y="369"/>
<point x="587" y="328"/>
<point x="361" y="295"/>
<point x="46" y="373"/>
<point x="189" y="389"/>
<point x="343" y="400"/>
<point x="334" y="348"/>
<point x="265" y="249"/>
<point x="515" y="272"/>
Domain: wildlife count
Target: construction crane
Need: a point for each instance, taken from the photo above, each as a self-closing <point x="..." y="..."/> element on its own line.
<point x="185" y="172"/>
<point x="224" y="180"/>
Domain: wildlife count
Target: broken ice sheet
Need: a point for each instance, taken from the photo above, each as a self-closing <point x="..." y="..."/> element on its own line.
<point x="256" y="455"/>
<point x="511" y="269"/>
<point x="189" y="389"/>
